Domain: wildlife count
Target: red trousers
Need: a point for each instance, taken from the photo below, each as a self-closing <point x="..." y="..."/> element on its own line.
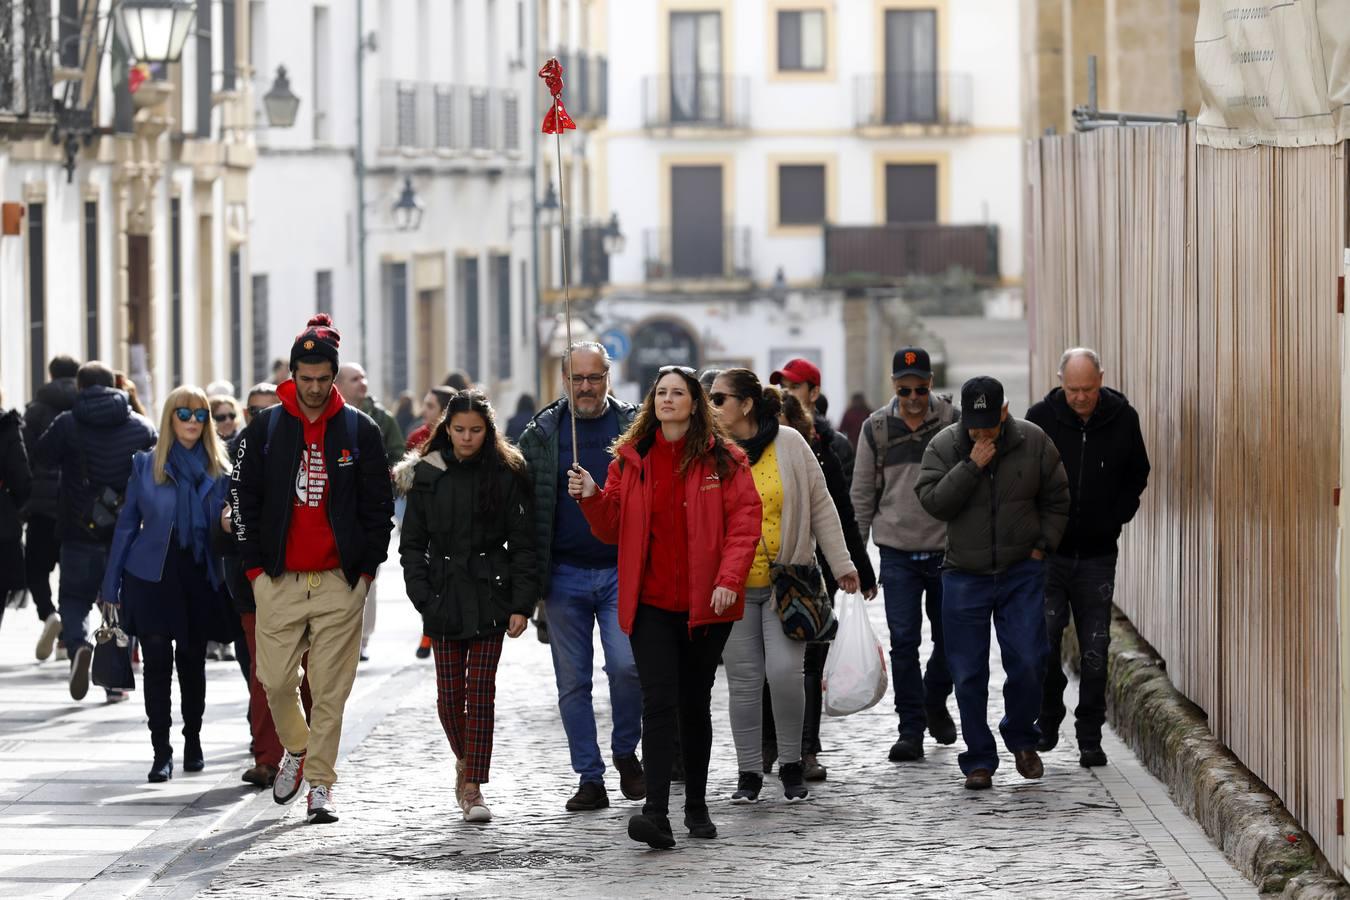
<point x="266" y="745"/>
<point x="466" y="689"/>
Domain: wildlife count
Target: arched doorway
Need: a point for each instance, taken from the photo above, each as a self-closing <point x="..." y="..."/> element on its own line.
<point x="657" y="343"/>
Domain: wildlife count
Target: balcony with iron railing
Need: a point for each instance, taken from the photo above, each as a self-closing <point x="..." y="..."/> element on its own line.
<point x="587" y="84"/>
<point x="26" y="99"/>
<point x="885" y="253"/>
<point x="711" y="102"/>
<point x="928" y="101"/>
<point x="424" y="118"/>
<point x="719" y="253"/>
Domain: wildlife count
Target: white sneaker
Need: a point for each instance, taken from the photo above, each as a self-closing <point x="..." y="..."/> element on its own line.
<point x="475" y="808"/>
<point x="322" y="810"/>
<point x="290" y="778"/>
<point x="51" y="630"/>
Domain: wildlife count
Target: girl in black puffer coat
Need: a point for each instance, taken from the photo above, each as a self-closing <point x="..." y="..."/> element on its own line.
<point x="16" y="483"/>
<point x="468" y="561"/>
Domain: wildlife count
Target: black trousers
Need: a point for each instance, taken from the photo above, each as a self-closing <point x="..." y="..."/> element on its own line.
<point x="1083" y="587"/>
<point x="813" y="669"/>
<point x="160" y="655"/>
<point x="677" y="671"/>
<point x="42" y="551"/>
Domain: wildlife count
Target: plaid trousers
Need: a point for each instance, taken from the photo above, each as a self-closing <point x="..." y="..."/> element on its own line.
<point x="466" y="688"/>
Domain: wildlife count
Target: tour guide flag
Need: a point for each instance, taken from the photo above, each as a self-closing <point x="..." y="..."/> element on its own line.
<point x="557" y="119"/>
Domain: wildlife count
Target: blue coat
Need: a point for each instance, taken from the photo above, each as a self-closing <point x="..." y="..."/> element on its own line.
<point x="141" y="541"/>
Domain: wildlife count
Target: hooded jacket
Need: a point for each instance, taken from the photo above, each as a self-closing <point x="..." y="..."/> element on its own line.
<point x="1107" y="465"/>
<point x="996" y="516"/>
<point x="16" y="479"/>
<point x="358" y="501"/>
<point x="539" y="444"/>
<point x="98" y="437"/>
<point x="722" y="519"/>
<point x="467" y="571"/>
<point x="52" y="399"/>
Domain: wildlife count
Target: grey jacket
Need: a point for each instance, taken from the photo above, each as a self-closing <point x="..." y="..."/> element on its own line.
<point x="889" y="509"/>
<point x="996" y="516"/>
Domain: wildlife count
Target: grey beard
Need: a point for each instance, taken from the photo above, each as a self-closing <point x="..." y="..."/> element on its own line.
<point x="604" y="408"/>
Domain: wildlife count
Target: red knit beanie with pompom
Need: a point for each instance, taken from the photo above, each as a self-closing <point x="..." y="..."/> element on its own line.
<point x="319" y="341"/>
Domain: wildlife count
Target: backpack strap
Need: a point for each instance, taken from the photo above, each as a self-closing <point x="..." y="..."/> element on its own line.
<point x="352" y="424"/>
<point x="273" y="420"/>
<point x="881" y="444"/>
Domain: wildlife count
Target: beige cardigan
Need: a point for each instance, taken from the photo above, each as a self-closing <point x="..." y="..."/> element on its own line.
<point x="809" y="515"/>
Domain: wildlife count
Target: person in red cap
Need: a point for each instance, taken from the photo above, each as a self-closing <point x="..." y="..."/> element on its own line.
<point x="313" y="510"/>
<point x="801" y="378"/>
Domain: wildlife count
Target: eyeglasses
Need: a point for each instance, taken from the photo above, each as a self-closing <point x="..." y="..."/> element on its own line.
<point x="685" y="370"/>
<point x="256" y="410"/>
<point x="224" y="417"/>
<point x="187" y="414"/>
<point x="719" y="398"/>
<point x="596" y="379"/>
<point x="906" y="391"/>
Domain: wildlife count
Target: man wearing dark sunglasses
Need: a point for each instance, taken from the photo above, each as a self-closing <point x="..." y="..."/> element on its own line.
<point x="890" y="450"/>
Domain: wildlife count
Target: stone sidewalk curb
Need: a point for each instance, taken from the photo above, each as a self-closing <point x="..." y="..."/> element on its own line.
<point x="165" y="864"/>
<point x="1241" y="814"/>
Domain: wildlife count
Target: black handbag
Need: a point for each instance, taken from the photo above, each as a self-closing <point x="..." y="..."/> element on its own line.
<point x="804" y="608"/>
<point x="111" y="665"/>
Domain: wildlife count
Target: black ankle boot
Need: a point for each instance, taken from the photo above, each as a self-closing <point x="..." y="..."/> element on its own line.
<point x="699" y="823"/>
<point x="651" y="829"/>
<point x="193" y="761"/>
<point x="161" y="769"/>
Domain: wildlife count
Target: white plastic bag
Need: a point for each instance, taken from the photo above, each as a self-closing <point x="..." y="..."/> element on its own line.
<point x="855" y="671"/>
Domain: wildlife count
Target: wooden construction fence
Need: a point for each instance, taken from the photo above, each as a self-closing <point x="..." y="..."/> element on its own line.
<point x="1207" y="279"/>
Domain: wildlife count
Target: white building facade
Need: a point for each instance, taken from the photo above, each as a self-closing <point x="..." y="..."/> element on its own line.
<point x="776" y="148"/>
<point x="444" y="119"/>
<point x="132" y="248"/>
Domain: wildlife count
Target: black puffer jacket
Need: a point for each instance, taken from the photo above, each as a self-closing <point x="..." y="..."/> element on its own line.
<point x="467" y="571"/>
<point x="52" y="399"/>
<point x="838" y="485"/>
<point x="1107" y="464"/>
<point x="97" y="438"/>
<point x="16" y="479"/>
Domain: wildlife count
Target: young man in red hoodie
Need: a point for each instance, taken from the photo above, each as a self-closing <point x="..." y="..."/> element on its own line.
<point x="313" y="511"/>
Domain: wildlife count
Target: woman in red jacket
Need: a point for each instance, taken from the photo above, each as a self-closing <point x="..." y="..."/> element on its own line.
<point x="681" y="504"/>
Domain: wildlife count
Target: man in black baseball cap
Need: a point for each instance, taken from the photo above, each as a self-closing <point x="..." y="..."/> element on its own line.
<point x="998" y="483"/>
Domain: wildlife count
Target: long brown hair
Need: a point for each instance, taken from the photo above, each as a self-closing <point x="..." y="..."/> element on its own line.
<point x="795" y="414"/>
<point x="704" y="428"/>
<point x="497" y="452"/>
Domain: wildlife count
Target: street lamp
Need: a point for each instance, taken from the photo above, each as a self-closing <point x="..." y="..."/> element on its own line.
<point x="409" y="209"/>
<point x="281" y="104"/>
<point x="155" y="30"/>
<point x="548" y="207"/>
<point x="613" y="239"/>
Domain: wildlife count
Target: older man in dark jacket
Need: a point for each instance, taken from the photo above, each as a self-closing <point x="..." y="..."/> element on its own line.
<point x="93" y="445"/>
<point x="1098" y="436"/>
<point x="42" y="550"/>
<point x="999" y="485"/>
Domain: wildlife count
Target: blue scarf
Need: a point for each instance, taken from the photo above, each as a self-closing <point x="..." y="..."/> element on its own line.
<point x="188" y="468"/>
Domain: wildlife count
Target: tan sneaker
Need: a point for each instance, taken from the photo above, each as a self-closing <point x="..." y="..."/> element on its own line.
<point x="475" y="808"/>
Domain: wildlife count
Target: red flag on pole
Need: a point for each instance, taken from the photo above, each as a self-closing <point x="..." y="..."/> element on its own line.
<point x="557" y="120"/>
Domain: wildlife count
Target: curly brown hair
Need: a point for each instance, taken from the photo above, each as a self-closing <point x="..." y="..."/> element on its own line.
<point x="705" y="433"/>
<point x="795" y="414"/>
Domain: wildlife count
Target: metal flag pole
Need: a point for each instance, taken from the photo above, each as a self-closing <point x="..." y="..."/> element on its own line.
<point x="556" y="122"/>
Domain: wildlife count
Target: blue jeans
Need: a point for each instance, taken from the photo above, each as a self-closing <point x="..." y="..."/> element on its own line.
<point x="578" y="599"/>
<point x="82" y="565"/>
<point x="1015" y="599"/>
<point x="911" y="586"/>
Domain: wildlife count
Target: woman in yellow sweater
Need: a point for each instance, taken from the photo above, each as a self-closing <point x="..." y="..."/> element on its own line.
<point x="797" y="513"/>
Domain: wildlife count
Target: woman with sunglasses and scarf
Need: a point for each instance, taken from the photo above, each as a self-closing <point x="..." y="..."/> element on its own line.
<point x="163" y="574"/>
<point x="797" y="513"/>
<point x="680" y="503"/>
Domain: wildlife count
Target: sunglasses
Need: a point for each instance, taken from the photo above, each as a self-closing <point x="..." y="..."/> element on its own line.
<point x="187" y="414"/>
<point x="684" y="370"/>
<point x="255" y="410"/>
<point x="224" y="417"/>
<point x="719" y="398"/>
<point x="906" y="391"/>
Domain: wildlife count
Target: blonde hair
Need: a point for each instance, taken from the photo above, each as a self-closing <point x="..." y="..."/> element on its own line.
<point x="193" y="397"/>
<point x="226" y="400"/>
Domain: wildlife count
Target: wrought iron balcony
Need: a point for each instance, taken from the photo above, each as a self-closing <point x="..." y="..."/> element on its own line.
<point x="587" y="84"/>
<point x="872" y="253"/>
<point x="721" y="252"/>
<point x="926" y="99"/>
<point x="696" y="101"/>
